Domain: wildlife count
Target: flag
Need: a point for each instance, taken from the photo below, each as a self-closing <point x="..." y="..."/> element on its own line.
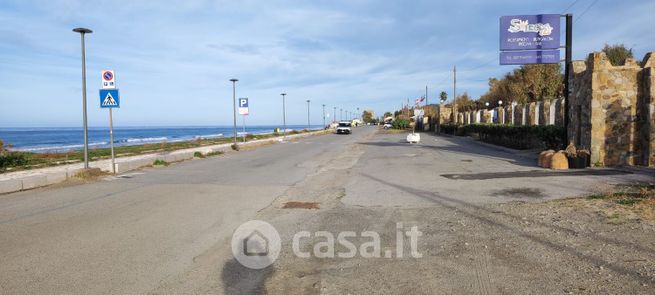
<point x="422" y="98"/>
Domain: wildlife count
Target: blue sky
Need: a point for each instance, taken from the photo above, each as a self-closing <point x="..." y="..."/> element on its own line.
<point x="174" y="59"/>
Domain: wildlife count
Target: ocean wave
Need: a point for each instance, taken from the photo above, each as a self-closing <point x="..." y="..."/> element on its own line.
<point x="69" y="147"/>
<point x="146" y="139"/>
<point x="209" y="136"/>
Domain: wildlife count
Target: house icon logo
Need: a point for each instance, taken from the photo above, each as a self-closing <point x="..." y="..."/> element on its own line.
<point x="256" y="244"/>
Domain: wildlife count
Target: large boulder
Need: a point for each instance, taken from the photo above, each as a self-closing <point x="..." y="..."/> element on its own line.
<point x="541" y="160"/>
<point x="547" y="158"/>
<point x="559" y="161"/>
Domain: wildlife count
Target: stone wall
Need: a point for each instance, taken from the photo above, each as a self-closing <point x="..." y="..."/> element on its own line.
<point x="611" y="110"/>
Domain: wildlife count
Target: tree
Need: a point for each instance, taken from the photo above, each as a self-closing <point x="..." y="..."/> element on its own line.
<point x="2" y="146"/>
<point x="526" y="84"/>
<point x="443" y="96"/>
<point x="617" y="54"/>
<point x="388" y="114"/>
<point x="464" y="103"/>
<point x="367" y="116"/>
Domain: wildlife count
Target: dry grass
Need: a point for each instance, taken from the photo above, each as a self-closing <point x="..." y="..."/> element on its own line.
<point x="621" y="204"/>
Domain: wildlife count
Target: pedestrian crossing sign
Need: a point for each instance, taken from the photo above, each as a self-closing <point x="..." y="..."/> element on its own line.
<point x="109" y="98"/>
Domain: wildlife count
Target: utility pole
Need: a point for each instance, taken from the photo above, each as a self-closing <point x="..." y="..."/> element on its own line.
<point x="340" y="114"/>
<point x="426" y="94"/>
<point x="234" y="107"/>
<point x="334" y="118"/>
<point x="567" y="73"/>
<point x="323" y="115"/>
<point x="452" y="105"/>
<point x="82" y="32"/>
<point x="454" y="83"/>
<point x="309" y="126"/>
<point x="284" y="117"/>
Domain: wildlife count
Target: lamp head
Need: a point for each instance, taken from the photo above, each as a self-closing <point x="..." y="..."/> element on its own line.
<point x="82" y="30"/>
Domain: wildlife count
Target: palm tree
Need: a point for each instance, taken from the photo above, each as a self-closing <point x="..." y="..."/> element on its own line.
<point x="443" y="95"/>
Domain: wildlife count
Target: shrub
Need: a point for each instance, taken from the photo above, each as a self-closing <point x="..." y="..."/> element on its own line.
<point x="12" y="159"/>
<point x="198" y="155"/>
<point x="512" y="136"/>
<point x="235" y="147"/>
<point x="160" y="162"/>
<point x="400" y="124"/>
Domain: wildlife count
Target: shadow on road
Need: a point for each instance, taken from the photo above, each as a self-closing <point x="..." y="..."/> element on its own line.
<point x="479" y="212"/>
<point x="457" y="147"/>
<point x="534" y="173"/>
<point x="238" y="279"/>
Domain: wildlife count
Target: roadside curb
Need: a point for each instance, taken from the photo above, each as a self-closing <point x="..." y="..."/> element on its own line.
<point x="25" y="180"/>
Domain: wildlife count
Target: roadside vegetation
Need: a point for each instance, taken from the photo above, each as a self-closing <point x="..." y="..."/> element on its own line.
<point x="16" y="160"/>
<point x="626" y="202"/>
<point x="512" y="136"/>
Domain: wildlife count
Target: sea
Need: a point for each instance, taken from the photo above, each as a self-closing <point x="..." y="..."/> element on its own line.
<point x="63" y="139"/>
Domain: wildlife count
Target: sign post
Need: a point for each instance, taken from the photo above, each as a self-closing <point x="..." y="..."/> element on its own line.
<point x="109" y="99"/>
<point x="243" y="111"/>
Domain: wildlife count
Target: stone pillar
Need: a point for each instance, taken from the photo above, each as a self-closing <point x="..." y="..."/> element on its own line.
<point x="646" y="108"/>
<point x="518" y="115"/>
<point x="544" y="116"/>
<point x="531" y="114"/>
<point x="604" y="110"/>
<point x="537" y="112"/>
<point x="509" y="114"/>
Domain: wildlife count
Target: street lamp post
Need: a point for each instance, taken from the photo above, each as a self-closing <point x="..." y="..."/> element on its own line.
<point x="234" y="107"/>
<point x="323" y="115"/>
<point x="357" y="114"/>
<point x="309" y="126"/>
<point x="340" y="114"/>
<point x="334" y="118"/>
<point x="82" y="32"/>
<point x="284" y="117"/>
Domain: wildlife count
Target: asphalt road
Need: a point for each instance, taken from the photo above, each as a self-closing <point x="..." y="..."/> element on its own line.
<point x="167" y="230"/>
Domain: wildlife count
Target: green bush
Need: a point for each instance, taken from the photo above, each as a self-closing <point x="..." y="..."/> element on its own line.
<point x="513" y="136"/>
<point x="400" y="124"/>
<point x="159" y="162"/>
<point x="198" y="155"/>
<point x="12" y="159"/>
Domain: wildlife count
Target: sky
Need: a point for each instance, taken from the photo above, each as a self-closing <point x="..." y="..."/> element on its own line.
<point x="174" y="59"/>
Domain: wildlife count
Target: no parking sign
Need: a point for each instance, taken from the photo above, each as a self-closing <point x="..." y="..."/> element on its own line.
<point x="108" y="79"/>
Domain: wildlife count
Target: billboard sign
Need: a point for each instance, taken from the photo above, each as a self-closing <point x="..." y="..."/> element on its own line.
<point x="529" y="57"/>
<point x="530" y="32"/>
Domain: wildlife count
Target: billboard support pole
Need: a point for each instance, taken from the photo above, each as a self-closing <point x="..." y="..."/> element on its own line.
<point x="567" y="71"/>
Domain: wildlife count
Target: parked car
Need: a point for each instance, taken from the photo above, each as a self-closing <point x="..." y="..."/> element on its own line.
<point x="387" y="126"/>
<point x="344" y="127"/>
